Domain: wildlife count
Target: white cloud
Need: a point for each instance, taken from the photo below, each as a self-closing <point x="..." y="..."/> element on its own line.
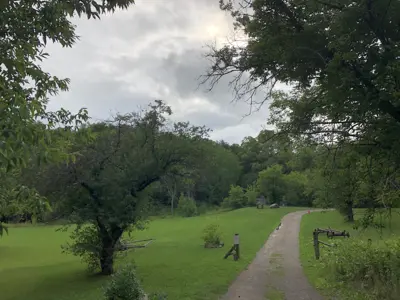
<point x="152" y="51"/>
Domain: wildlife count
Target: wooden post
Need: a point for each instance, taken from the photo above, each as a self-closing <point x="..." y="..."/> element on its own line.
<point x="235" y="248"/>
<point x="316" y="244"/>
<point x="236" y="245"/>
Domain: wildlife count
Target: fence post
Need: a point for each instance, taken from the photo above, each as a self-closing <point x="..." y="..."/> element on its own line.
<point x="236" y="245"/>
<point x="316" y="244"/>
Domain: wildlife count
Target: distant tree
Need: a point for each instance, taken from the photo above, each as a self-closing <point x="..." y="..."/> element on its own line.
<point x="295" y="189"/>
<point x="216" y="174"/>
<point x="236" y="198"/>
<point x="170" y="181"/>
<point x="104" y="188"/>
<point x="271" y="183"/>
<point x="187" y="206"/>
<point x="251" y="195"/>
<point x="261" y="152"/>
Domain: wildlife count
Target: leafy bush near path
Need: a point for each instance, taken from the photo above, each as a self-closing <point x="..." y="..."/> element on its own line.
<point x="373" y="268"/>
<point x="344" y="272"/>
<point x="212" y="235"/>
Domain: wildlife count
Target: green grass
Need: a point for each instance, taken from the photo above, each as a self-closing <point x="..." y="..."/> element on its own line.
<point x="33" y="267"/>
<point x="274" y="294"/>
<point x="317" y="276"/>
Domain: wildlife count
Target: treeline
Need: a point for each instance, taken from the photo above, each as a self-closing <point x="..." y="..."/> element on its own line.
<point x="177" y="169"/>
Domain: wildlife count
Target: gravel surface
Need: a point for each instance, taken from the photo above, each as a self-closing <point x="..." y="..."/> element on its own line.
<point x="276" y="272"/>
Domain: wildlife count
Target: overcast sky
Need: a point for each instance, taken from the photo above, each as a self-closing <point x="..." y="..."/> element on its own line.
<point x="154" y="50"/>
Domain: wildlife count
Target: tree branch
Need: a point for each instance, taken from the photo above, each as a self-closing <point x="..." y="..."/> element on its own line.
<point x="331" y="5"/>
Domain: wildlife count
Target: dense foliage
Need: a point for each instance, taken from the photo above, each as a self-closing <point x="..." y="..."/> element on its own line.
<point x="124" y="285"/>
<point x="335" y="144"/>
<point x="25" y="122"/>
<point x="341" y="59"/>
<point x="373" y="267"/>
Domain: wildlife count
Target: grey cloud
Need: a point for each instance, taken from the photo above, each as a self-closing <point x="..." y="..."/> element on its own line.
<point x="152" y="51"/>
<point x="102" y="98"/>
<point x="212" y="120"/>
<point x="181" y="72"/>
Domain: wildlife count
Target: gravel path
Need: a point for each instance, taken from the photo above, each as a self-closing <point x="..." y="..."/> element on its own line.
<point x="276" y="272"/>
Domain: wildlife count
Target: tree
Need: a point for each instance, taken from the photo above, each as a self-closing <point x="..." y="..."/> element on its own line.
<point x="170" y="181"/>
<point x="187" y="206"/>
<point x="236" y="198"/>
<point x="216" y="174"/>
<point x="103" y="190"/>
<point x="343" y="54"/>
<point x="271" y="183"/>
<point x="18" y="202"/>
<point x="24" y="86"/>
<point x="251" y="195"/>
<point x="259" y="153"/>
<point x="342" y="59"/>
<point x="295" y="189"/>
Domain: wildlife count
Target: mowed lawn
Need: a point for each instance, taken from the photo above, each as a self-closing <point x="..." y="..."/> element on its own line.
<point x="33" y="267"/>
<point x="317" y="276"/>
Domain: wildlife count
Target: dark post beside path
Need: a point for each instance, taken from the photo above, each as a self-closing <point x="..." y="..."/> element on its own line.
<point x="235" y="248"/>
<point x="330" y="233"/>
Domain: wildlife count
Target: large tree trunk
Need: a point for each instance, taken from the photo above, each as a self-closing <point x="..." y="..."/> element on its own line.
<point x="109" y="241"/>
<point x="107" y="258"/>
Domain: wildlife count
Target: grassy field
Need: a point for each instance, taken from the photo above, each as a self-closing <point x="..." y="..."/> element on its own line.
<point x="33" y="267"/>
<point x="318" y="276"/>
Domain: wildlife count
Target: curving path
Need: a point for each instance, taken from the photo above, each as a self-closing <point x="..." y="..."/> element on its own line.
<point x="276" y="272"/>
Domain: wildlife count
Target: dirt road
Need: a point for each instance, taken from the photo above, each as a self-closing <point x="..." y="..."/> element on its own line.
<point x="276" y="272"/>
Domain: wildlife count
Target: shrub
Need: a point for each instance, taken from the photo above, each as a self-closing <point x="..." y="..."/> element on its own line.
<point x="85" y="243"/>
<point x="212" y="235"/>
<point x="251" y="196"/>
<point x="236" y="198"/>
<point x="187" y="206"/>
<point x="372" y="268"/>
<point x="124" y="285"/>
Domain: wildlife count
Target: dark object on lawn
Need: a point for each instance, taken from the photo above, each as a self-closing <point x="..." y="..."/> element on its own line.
<point x="208" y="245"/>
<point x="279" y="226"/>
<point x="234" y="251"/>
<point x="260" y="202"/>
<point x="126" y="245"/>
<point x="330" y="233"/>
<point x="275" y="205"/>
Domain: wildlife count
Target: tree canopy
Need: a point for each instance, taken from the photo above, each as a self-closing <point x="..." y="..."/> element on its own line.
<point x="341" y="55"/>
<point x="26" y="28"/>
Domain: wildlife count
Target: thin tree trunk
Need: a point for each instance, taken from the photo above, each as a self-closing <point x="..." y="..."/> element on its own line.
<point x="172" y="205"/>
<point x="350" y="213"/>
<point x="173" y="195"/>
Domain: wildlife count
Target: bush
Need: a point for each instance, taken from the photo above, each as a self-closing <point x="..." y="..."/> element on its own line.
<point x="372" y="268"/>
<point x="251" y="196"/>
<point x="124" y="285"/>
<point x="212" y="236"/>
<point x="85" y="243"/>
<point x="187" y="206"/>
<point x="236" y="198"/>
